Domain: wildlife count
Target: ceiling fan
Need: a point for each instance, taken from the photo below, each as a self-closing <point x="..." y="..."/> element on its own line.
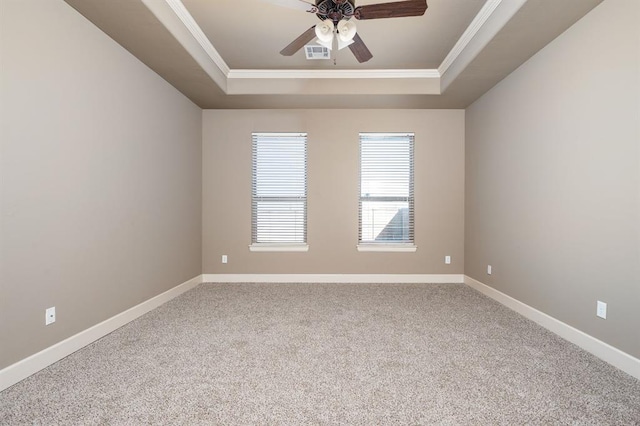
<point x="337" y="23"/>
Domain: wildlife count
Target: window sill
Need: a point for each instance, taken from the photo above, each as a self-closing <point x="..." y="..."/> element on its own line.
<point x="278" y="247"/>
<point x="388" y="247"/>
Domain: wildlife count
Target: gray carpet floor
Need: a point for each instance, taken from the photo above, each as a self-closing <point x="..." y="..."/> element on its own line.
<point x="357" y="354"/>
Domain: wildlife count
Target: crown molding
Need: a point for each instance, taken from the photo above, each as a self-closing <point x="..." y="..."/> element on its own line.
<point x="181" y="12"/>
<point x="493" y="16"/>
<point x="173" y="17"/>
<point x="481" y="18"/>
<point x="342" y="74"/>
<point x="466" y="48"/>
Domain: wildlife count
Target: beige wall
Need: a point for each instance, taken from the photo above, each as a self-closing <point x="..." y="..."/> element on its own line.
<point x="333" y="173"/>
<point x="104" y="201"/>
<point x="552" y="178"/>
<point x="100" y="167"/>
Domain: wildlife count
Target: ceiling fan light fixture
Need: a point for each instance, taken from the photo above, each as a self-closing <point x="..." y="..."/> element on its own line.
<point x="346" y="30"/>
<point x="342" y="14"/>
<point x="343" y="44"/>
<point x="327" y="44"/>
<point x="324" y="31"/>
<point x="346" y="33"/>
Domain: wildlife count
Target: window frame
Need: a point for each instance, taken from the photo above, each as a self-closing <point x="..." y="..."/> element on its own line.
<point x="286" y="246"/>
<point x="388" y="246"/>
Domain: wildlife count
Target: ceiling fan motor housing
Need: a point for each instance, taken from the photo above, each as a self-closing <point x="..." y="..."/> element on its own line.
<point x="336" y="10"/>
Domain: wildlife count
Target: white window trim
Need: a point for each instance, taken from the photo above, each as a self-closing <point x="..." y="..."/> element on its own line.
<point x="293" y="244"/>
<point x="390" y="246"/>
<point x="293" y="247"/>
<point x="400" y="247"/>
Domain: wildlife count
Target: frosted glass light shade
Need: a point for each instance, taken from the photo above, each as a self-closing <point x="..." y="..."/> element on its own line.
<point x="324" y="30"/>
<point x="343" y="44"/>
<point x="346" y="30"/>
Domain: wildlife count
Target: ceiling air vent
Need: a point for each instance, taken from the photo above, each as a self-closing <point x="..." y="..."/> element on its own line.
<point x="316" y="52"/>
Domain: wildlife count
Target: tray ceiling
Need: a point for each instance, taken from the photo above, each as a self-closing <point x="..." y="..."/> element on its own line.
<point x="225" y="53"/>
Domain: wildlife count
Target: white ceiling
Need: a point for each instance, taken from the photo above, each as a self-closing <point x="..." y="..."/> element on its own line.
<point x="225" y="53"/>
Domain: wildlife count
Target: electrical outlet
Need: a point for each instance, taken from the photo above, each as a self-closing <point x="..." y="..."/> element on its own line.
<point x="488" y="269"/>
<point x="447" y="260"/>
<point x="601" y="310"/>
<point x="224" y="258"/>
<point x="50" y="316"/>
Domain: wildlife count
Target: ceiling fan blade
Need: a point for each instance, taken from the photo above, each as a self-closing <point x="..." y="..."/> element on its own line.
<point x="360" y="50"/>
<point x="297" y="44"/>
<point x="302" y="5"/>
<point x="391" y="10"/>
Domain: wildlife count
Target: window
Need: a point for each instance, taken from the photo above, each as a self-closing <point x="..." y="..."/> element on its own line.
<point x="279" y="192"/>
<point x="386" y="208"/>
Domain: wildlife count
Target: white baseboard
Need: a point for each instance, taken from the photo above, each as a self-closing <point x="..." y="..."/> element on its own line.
<point x="28" y="366"/>
<point x="602" y="350"/>
<point x="334" y="278"/>
<point x="36" y="362"/>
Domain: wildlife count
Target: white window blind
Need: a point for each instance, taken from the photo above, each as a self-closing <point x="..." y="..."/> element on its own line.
<point x="386" y="213"/>
<point x="279" y="188"/>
